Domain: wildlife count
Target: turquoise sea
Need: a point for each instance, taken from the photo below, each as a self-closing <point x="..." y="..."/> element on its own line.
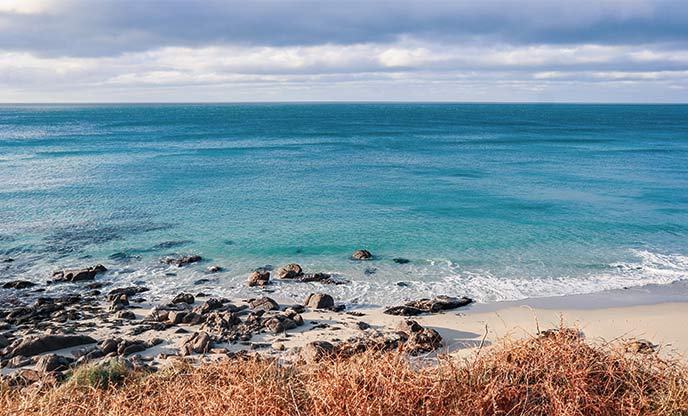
<point x="494" y="201"/>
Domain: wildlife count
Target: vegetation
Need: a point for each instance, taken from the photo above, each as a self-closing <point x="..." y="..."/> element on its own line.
<point x="553" y="374"/>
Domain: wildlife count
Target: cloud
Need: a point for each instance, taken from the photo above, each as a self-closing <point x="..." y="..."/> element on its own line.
<point x="301" y="49"/>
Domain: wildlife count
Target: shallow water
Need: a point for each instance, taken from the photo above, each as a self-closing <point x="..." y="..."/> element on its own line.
<point x="497" y="202"/>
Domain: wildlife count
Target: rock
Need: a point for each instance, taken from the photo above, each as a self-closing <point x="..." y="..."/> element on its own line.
<point x="400" y="260"/>
<point x="316" y="351"/>
<point x="258" y="278"/>
<point x="52" y="362"/>
<point x="435" y="305"/>
<point x="129" y="291"/>
<point x="201" y="281"/>
<point x="409" y="326"/>
<point x="37" y="344"/>
<point x="176" y="317"/>
<point x="278" y="346"/>
<point x="425" y="340"/>
<point x="108" y="345"/>
<point x="72" y="276"/>
<point x="289" y="271"/>
<point x="19" y="361"/>
<point x="18" y="284"/>
<point x="3" y="341"/>
<point x="208" y="305"/>
<point x="214" y="269"/>
<point x="279" y="324"/>
<point x="319" y="301"/>
<point x="7" y="260"/>
<point x="264" y="304"/>
<point x="182" y="261"/>
<point x="361" y="325"/>
<point x="362" y="255"/>
<point x="128" y="315"/>
<point x="199" y="342"/>
<point x="118" y="303"/>
<point x="403" y="311"/>
<point x="315" y="277"/>
<point x="440" y="303"/>
<point x="133" y="348"/>
<point x="184" y="298"/>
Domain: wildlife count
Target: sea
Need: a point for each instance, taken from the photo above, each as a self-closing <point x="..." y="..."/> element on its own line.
<point x="491" y="201"/>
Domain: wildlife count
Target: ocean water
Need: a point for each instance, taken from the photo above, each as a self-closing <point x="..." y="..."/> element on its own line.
<point x="497" y="202"/>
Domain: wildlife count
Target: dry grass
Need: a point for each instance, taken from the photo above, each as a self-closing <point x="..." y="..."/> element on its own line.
<point x="555" y="375"/>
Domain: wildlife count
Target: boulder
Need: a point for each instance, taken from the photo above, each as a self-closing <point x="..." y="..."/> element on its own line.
<point x="79" y="275"/>
<point x="440" y="303"/>
<point x="362" y="255"/>
<point x="259" y="278"/>
<point x="118" y="303"/>
<point x="52" y="362"/>
<point x="289" y="271"/>
<point x="184" y="298"/>
<point x="279" y="323"/>
<point x="319" y="301"/>
<point x="199" y="342"/>
<point x="425" y="340"/>
<point x="37" y="344"/>
<point x="264" y="304"/>
<point x="18" y="284"/>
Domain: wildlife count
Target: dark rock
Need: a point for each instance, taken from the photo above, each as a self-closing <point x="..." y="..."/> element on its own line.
<point x="361" y="325"/>
<point x="51" y="362"/>
<point x="279" y="323"/>
<point x="118" y="303"/>
<point x="425" y="340"/>
<point x="184" y="298"/>
<point x="403" y="311"/>
<point x="72" y="276"/>
<point x="128" y="315"/>
<point x="209" y="305"/>
<point x="258" y="278"/>
<point x="18" y="284"/>
<point x="319" y="301"/>
<point x="403" y="284"/>
<point x="129" y="291"/>
<point x="3" y="341"/>
<point x="264" y="304"/>
<point x="440" y="303"/>
<point x="369" y="271"/>
<point x="108" y="345"/>
<point x="37" y="344"/>
<point x="289" y="271"/>
<point x="362" y="255"/>
<point x="182" y="261"/>
<point x="201" y="281"/>
<point x="315" y="277"/>
<point x="214" y="269"/>
<point x="176" y="317"/>
<point x="19" y="361"/>
<point x="199" y="342"/>
<point x="133" y="348"/>
<point x="7" y="260"/>
<point x="400" y="260"/>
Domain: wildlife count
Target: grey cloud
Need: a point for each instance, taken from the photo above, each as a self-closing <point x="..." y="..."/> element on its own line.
<point x="109" y="27"/>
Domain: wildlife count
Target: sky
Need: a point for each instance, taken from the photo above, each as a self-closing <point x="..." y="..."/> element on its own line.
<point x="329" y="50"/>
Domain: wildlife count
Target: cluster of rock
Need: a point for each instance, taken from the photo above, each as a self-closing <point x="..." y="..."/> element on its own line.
<point x="291" y="271"/>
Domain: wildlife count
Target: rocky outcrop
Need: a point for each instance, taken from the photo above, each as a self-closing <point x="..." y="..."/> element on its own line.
<point x="419" y="339"/>
<point x="319" y="301"/>
<point x="72" y="276"/>
<point x="317" y="350"/>
<point x="362" y="255"/>
<point x="37" y="344"/>
<point x="260" y="277"/>
<point x="290" y="271"/>
<point x="440" y="303"/>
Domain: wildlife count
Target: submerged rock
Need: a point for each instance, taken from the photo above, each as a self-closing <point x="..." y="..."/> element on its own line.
<point x="182" y="261"/>
<point x="400" y="260"/>
<point x="362" y="255"/>
<point x="72" y="276"/>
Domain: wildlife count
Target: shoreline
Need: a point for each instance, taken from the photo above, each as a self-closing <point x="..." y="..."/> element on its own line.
<point x="153" y="340"/>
